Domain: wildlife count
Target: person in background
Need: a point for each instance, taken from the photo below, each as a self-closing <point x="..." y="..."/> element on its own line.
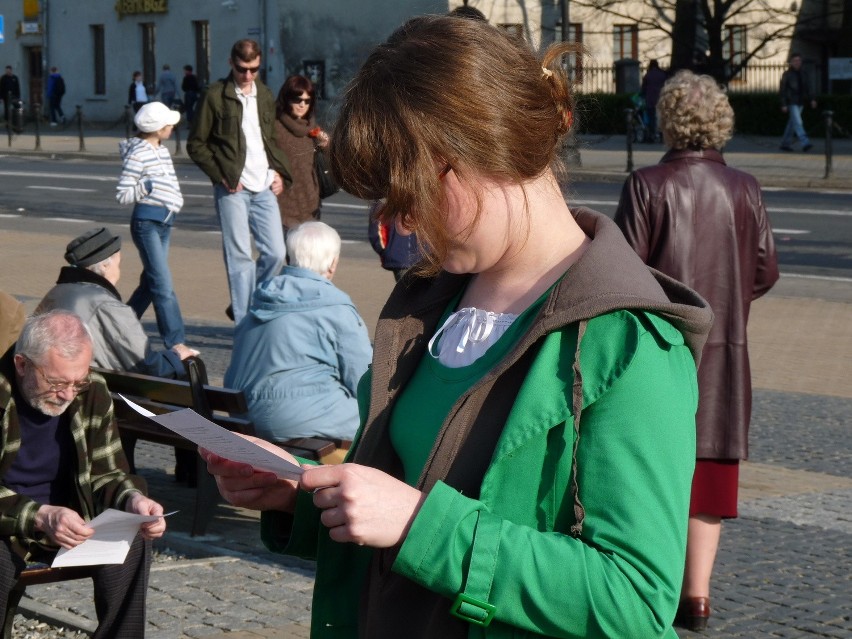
<point x="12" y="317"/>
<point x="299" y="137"/>
<point x="167" y="87"/>
<point x="148" y="182"/>
<point x="696" y="219"/>
<point x="233" y="141"/>
<point x="88" y="288"/>
<point x="191" y="90"/>
<point x="62" y="465"/>
<point x="137" y="94"/>
<point x="55" y="91"/>
<point x="10" y="90"/>
<point x="528" y="421"/>
<point x="652" y="84"/>
<point x="303" y="347"/>
<point x="397" y="251"/>
<point x="795" y="93"/>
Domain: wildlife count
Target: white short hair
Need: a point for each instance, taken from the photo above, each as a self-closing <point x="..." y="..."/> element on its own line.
<point x="314" y="246"/>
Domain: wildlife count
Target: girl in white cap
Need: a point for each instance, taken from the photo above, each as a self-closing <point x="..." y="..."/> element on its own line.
<point x="148" y="181"/>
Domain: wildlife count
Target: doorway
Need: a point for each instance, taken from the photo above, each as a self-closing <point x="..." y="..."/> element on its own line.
<point x="35" y="79"/>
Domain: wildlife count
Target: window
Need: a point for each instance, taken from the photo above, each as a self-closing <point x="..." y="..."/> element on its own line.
<point x="574" y="61"/>
<point x="99" y="57"/>
<point x="735" y="49"/>
<point x="625" y="41"/>
<point x="201" y="28"/>
<point x="314" y="70"/>
<point x="149" y="57"/>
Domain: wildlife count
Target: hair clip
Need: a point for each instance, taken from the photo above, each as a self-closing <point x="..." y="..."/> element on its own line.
<point x="546" y="73"/>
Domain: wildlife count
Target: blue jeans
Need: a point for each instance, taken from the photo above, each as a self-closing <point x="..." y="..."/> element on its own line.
<point x="242" y="216"/>
<point x="155" y="284"/>
<point x="794" y="126"/>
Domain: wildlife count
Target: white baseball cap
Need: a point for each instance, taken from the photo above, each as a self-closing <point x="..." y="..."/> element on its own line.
<point x="153" y="116"/>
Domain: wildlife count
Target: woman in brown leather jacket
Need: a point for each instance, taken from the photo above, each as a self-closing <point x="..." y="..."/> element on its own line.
<point x="698" y="220"/>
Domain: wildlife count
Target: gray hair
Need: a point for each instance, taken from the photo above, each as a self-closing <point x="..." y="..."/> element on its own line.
<point x="99" y="268"/>
<point x="694" y="112"/>
<point x="59" y="329"/>
<point x="314" y="246"/>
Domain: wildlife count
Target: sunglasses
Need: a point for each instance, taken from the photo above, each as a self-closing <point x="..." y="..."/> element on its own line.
<point x="300" y="100"/>
<point x="244" y="70"/>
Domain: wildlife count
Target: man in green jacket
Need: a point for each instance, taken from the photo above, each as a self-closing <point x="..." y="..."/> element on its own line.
<point x="61" y="464"/>
<point x="233" y="141"/>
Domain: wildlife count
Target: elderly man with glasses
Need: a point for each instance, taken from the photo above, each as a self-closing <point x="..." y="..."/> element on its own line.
<point x="233" y="141"/>
<point x="62" y="464"/>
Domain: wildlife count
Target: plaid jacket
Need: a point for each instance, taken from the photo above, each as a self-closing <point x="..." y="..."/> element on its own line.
<point x="101" y="479"/>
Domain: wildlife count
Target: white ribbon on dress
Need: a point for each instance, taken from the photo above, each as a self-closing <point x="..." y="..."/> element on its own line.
<point x="467" y="334"/>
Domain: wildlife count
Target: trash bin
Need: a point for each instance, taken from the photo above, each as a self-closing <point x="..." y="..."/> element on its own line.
<point x="17" y="116"/>
<point x="627" y="76"/>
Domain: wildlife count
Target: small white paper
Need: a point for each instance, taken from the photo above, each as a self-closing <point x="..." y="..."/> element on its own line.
<point x="114" y="532"/>
<point x="221" y="441"/>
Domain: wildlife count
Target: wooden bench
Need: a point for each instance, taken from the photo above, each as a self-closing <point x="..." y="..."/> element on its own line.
<point x="223" y="406"/>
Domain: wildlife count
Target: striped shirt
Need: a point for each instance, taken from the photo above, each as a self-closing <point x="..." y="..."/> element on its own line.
<point x="148" y="176"/>
<point x="256" y="175"/>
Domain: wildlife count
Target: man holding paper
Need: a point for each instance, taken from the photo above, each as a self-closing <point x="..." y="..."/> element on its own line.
<point x="62" y="464"/>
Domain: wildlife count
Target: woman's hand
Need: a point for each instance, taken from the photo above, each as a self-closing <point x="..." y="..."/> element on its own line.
<point x="322" y="139"/>
<point x="363" y="505"/>
<point x="246" y="487"/>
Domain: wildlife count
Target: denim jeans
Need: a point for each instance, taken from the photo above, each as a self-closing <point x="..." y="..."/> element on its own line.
<point x="242" y="216"/>
<point x="155" y="284"/>
<point x="794" y="126"/>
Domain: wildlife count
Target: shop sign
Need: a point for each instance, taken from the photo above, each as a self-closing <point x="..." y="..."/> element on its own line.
<point x="136" y="7"/>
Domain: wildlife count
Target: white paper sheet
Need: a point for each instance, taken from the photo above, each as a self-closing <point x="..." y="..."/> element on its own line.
<point x="114" y="532"/>
<point x="221" y="441"/>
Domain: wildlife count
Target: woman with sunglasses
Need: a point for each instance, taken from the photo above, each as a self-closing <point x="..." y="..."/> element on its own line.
<point x="297" y="134"/>
<point x="520" y="468"/>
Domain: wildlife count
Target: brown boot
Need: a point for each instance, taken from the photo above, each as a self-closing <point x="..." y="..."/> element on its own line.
<point x="693" y="613"/>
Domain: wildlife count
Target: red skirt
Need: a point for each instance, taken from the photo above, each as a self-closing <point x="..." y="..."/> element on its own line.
<point x="714" y="488"/>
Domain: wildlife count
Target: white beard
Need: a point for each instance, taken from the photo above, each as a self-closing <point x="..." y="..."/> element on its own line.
<point x="49" y="404"/>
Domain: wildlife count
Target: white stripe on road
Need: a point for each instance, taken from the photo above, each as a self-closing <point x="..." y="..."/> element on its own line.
<point x="827" y="278"/>
<point x="67" y="219"/>
<point x="342" y="205"/>
<point x="790" y="231"/>
<point x="61" y="188"/>
<point x="835" y="212"/>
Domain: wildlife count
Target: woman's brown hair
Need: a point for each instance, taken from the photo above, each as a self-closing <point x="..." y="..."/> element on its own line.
<point x="294" y="87"/>
<point x="447" y="90"/>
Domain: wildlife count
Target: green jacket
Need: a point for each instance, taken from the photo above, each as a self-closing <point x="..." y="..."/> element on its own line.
<point x="600" y="558"/>
<point x="101" y="479"/>
<point x="216" y="142"/>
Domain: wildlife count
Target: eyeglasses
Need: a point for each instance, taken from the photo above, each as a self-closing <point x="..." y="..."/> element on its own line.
<point x="300" y="100"/>
<point x="59" y="386"/>
<point x="444" y="171"/>
<point x="244" y="70"/>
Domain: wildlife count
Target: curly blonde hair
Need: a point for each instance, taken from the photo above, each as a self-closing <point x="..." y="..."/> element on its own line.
<point x="694" y="112"/>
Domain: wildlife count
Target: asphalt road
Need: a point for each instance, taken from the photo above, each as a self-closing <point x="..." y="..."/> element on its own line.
<point x="813" y="229"/>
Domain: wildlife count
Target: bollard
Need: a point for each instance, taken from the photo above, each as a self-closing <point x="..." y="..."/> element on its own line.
<point x="80" y="127"/>
<point x="177" y="138"/>
<point x="37" y="124"/>
<point x="128" y="118"/>
<point x="829" y="125"/>
<point x="628" y="112"/>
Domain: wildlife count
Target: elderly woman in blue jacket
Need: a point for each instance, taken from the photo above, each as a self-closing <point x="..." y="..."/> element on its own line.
<point x="301" y="349"/>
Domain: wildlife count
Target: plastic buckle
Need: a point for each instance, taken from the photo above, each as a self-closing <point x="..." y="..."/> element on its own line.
<point x="472" y="610"/>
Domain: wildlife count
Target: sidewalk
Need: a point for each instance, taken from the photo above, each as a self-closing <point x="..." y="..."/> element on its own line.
<point x="785" y="565"/>
<point x="602" y="157"/>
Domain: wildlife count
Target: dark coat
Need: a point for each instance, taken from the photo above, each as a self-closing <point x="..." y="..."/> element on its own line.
<point x="301" y="202"/>
<point x="704" y="223"/>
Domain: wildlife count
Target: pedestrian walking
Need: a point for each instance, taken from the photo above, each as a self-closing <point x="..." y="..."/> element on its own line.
<point x="795" y="93"/>
<point x="501" y="485"/>
<point x="167" y="87"/>
<point x="148" y="181"/>
<point x="137" y="94"/>
<point x="233" y="141"/>
<point x="10" y="91"/>
<point x="652" y="84"/>
<point x="191" y="90"/>
<point x="703" y="223"/>
<point x="55" y="91"/>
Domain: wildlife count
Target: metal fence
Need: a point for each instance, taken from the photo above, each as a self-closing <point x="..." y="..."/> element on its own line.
<point x="755" y="78"/>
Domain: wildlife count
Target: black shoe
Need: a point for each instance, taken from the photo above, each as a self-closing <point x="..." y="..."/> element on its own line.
<point x="230" y="312"/>
<point x="785" y="147"/>
<point x="807" y="148"/>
